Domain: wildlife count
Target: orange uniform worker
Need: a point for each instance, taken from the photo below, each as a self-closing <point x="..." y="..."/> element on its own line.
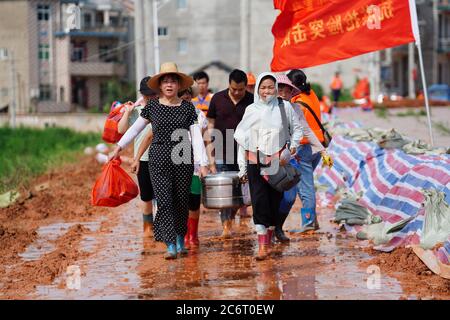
<point x="203" y="99"/>
<point x="251" y="82"/>
<point x="336" y="87"/>
<point x="308" y="159"/>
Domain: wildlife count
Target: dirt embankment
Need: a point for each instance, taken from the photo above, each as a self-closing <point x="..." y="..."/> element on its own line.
<point x="63" y="194"/>
<point x="417" y="280"/>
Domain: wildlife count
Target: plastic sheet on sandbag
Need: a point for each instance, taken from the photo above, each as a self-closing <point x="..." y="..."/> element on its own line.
<point x="436" y="227"/>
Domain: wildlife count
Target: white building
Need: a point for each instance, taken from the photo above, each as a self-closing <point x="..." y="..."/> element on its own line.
<point x="237" y="34"/>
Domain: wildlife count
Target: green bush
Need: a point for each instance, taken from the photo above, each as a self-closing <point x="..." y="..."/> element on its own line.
<point x="28" y="152"/>
<point x="346" y="95"/>
<point x="318" y="90"/>
<point x="117" y="90"/>
<point x="382" y="112"/>
<point x="412" y="113"/>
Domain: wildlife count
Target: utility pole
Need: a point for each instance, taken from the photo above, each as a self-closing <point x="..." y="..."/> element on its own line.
<point x="139" y="35"/>
<point x="155" y="35"/>
<point x="374" y="71"/>
<point x="245" y="35"/>
<point x="13" y="92"/>
<point x="411" y="67"/>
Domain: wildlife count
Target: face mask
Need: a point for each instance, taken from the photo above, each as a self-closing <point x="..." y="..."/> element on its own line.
<point x="270" y="98"/>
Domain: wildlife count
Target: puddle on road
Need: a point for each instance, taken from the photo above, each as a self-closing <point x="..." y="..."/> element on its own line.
<point x="303" y="269"/>
<point x="310" y="267"/>
<point x="46" y="235"/>
<point x="109" y="272"/>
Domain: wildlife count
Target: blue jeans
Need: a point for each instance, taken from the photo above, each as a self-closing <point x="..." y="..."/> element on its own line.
<point x="305" y="188"/>
<point x="228" y="213"/>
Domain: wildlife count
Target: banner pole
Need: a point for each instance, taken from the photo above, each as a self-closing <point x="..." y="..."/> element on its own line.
<point x="425" y="93"/>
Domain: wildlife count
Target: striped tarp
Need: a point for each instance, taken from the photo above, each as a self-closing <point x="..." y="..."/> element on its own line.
<point x="390" y="182"/>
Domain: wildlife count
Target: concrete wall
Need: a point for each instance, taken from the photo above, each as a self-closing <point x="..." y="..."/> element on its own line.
<point x="214" y="33"/>
<point x="262" y="16"/>
<point x="212" y="30"/>
<point x="14" y="35"/>
<point x="63" y="69"/>
<point x="78" y="122"/>
<point x="93" y="85"/>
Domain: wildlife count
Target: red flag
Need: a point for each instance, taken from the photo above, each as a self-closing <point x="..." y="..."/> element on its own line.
<point x="313" y="32"/>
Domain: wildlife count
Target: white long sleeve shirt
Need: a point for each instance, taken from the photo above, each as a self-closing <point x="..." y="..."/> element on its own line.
<point x="196" y="138"/>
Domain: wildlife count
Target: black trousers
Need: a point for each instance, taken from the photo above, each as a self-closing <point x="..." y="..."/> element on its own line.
<point x="265" y="199"/>
<point x="336" y="94"/>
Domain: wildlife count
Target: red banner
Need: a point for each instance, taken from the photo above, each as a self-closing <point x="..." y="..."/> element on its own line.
<point x="314" y="32"/>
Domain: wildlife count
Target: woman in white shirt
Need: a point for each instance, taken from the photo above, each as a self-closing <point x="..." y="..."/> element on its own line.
<point x="262" y="140"/>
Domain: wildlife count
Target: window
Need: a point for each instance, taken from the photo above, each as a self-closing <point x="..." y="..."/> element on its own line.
<point x="77" y="54"/>
<point x="44" y="92"/>
<point x="99" y="20"/>
<point x="3" y="53"/>
<point x="182" y="4"/>
<point x="182" y="45"/>
<point x="78" y="51"/>
<point x="44" y="52"/>
<point x="114" y="19"/>
<point x="107" y="53"/>
<point x="43" y="11"/>
<point x="163" y="31"/>
<point x="62" y="94"/>
<point x="87" y="20"/>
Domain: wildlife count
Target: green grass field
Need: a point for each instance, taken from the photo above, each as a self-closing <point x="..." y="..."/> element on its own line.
<point x="26" y="152"/>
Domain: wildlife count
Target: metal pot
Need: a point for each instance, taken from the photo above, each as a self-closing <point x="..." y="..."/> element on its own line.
<point x="222" y="190"/>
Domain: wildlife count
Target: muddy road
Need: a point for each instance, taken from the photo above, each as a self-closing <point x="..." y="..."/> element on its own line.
<point x="54" y="245"/>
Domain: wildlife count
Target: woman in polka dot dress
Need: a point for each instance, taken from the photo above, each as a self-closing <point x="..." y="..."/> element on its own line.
<point x="171" y="161"/>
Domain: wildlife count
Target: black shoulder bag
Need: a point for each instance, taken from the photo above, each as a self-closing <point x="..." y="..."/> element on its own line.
<point x="326" y="135"/>
<point x="287" y="176"/>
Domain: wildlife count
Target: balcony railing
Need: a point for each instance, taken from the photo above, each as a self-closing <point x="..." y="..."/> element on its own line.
<point x="103" y="28"/>
<point x="96" y="31"/>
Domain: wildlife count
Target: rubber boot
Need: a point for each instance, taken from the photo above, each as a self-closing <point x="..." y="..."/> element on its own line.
<point x="193" y="234"/>
<point x="186" y="237"/>
<point x="171" y="251"/>
<point x="316" y="223"/>
<point x="263" y="247"/>
<point x="180" y="246"/>
<point x="279" y="233"/>
<point x="308" y="216"/>
<point x="270" y="235"/>
<point x="226" y="234"/>
<point x="148" y="224"/>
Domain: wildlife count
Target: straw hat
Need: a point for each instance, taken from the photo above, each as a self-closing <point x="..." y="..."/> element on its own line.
<point x="170" y="68"/>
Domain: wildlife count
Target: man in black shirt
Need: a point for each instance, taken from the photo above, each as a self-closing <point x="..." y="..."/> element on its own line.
<point x="225" y="111"/>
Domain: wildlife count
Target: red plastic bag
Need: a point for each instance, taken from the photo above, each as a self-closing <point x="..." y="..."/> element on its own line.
<point x="114" y="186"/>
<point x="110" y="131"/>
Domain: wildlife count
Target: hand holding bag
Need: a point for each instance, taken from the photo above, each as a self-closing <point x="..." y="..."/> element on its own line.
<point x="287" y="175"/>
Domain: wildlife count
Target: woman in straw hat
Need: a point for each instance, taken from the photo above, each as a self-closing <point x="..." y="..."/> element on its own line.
<point x="171" y="163"/>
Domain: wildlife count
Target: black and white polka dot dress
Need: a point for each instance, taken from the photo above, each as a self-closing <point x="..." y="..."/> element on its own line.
<point x="171" y="179"/>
